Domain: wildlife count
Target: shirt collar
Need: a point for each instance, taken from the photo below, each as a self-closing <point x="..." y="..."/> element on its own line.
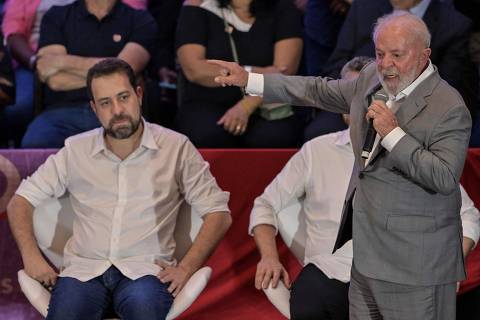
<point x="420" y="9"/>
<point x="343" y="138"/>
<point x="408" y="90"/>
<point x="83" y="11"/>
<point x="147" y="140"/>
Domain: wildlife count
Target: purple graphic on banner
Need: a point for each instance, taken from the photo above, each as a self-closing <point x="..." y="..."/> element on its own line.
<point x="14" y="165"/>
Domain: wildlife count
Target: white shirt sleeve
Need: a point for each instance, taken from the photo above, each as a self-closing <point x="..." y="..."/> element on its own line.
<point x="50" y="180"/>
<point x="254" y="84"/>
<point x="470" y="217"/>
<point x="288" y="185"/>
<point x="198" y="185"/>
<point x="391" y="139"/>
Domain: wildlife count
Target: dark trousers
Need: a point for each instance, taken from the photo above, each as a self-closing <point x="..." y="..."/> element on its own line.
<point x="315" y="296"/>
<point x="468" y="305"/>
<point x="198" y="121"/>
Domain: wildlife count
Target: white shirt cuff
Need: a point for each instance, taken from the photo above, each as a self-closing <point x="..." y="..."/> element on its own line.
<point x="470" y="230"/>
<point x="391" y="139"/>
<point x="255" y="84"/>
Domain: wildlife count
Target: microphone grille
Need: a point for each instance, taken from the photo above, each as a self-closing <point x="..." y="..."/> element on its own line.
<point x="380" y="95"/>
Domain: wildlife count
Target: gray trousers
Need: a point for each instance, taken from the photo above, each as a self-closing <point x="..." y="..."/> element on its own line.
<point x="381" y="300"/>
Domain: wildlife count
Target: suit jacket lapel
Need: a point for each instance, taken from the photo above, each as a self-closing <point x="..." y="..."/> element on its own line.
<point x="372" y="88"/>
<point x="415" y="102"/>
<point x="409" y="108"/>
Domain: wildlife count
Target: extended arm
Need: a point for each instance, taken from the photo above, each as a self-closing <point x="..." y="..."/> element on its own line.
<point x="288" y="185"/>
<point x="21" y="223"/>
<point x="201" y="191"/>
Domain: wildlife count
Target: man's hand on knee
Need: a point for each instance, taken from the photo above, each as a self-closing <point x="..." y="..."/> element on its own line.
<point x="177" y="276"/>
<point x="39" y="269"/>
<point x="270" y="269"/>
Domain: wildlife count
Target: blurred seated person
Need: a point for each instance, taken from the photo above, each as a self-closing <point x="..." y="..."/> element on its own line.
<point x="324" y="122"/>
<point x="161" y="87"/>
<point x="471" y="8"/>
<point x="266" y="36"/>
<point x="7" y="79"/>
<point x="21" y="27"/>
<point x="72" y="39"/>
<point x="323" y="20"/>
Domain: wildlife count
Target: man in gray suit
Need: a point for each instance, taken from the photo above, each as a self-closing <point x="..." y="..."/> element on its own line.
<point x="407" y="232"/>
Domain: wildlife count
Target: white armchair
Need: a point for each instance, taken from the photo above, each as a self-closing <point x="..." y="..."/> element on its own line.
<point x="292" y="229"/>
<point x="53" y="221"/>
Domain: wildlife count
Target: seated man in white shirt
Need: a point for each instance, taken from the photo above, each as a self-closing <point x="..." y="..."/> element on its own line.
<point x="319" y="175"/>
<point x="126" y="182"/>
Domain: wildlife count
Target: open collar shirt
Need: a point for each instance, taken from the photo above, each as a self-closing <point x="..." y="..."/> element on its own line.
<point x="125" y="210"/>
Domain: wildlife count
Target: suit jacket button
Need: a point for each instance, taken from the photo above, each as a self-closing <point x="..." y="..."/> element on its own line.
<point x="360" y="175"/>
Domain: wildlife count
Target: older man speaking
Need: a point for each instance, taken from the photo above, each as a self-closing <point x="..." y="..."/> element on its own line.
<point x="407" y="249"/>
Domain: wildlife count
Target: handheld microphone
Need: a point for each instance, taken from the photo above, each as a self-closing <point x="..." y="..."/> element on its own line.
<point x="371" y="133"/>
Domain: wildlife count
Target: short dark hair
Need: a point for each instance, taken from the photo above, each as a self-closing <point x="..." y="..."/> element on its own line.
<point x="256" y="6"/>
<point x="108" y="67"/>
<point x="356" y="64"/>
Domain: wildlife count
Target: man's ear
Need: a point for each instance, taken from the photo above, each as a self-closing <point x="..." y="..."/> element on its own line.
<point x="426" y="54"/>
<point x="139" y="92"/>
<point x="92" y="105"/>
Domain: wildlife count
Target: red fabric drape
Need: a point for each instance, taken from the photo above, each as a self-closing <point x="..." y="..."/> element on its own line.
<point x="230" y="293"/>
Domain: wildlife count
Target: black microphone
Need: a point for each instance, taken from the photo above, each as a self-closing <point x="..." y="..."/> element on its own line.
<point x="371" y="133"/>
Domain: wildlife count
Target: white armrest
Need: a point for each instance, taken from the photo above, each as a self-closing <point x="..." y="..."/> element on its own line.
<point x="189" y="292"/>
<point x="280" y="298"/>
<point x="38" y="296"/>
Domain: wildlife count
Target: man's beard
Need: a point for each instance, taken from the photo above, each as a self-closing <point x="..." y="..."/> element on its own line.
<point x="404" y="80"/>
<point x="123" y="131"/>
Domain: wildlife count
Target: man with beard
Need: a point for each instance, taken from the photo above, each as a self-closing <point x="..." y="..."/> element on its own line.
<point x="407" y="249"/>
<point x="126" y="182"/>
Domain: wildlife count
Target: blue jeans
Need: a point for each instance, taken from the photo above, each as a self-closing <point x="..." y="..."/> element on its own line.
<point x="109" y="295"/>
<point x="53" y="126"/>
<point x="17" y="116"/>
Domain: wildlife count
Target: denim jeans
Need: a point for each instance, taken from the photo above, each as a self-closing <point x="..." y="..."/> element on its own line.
<point x="109" y="295"/>
<point x="53" y="126"/>
<point x="17" y="116"/>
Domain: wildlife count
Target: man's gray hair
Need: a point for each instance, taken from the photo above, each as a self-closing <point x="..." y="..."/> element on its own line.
<point x="355" y="65"/>
<point x="416" y="26"/>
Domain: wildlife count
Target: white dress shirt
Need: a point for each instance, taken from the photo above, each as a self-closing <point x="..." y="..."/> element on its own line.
<point x="318" y="175"/>
<point x="125" y="210"/>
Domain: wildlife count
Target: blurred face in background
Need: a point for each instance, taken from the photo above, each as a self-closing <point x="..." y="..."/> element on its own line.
<point x="404" y="4"/>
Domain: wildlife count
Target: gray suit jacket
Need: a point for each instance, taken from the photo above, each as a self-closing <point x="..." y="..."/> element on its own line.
<point x="406" y="221"/>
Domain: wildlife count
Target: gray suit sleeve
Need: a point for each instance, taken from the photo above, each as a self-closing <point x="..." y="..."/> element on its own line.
<point x="324" y="93"/>
<point x="437" y="164"/>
